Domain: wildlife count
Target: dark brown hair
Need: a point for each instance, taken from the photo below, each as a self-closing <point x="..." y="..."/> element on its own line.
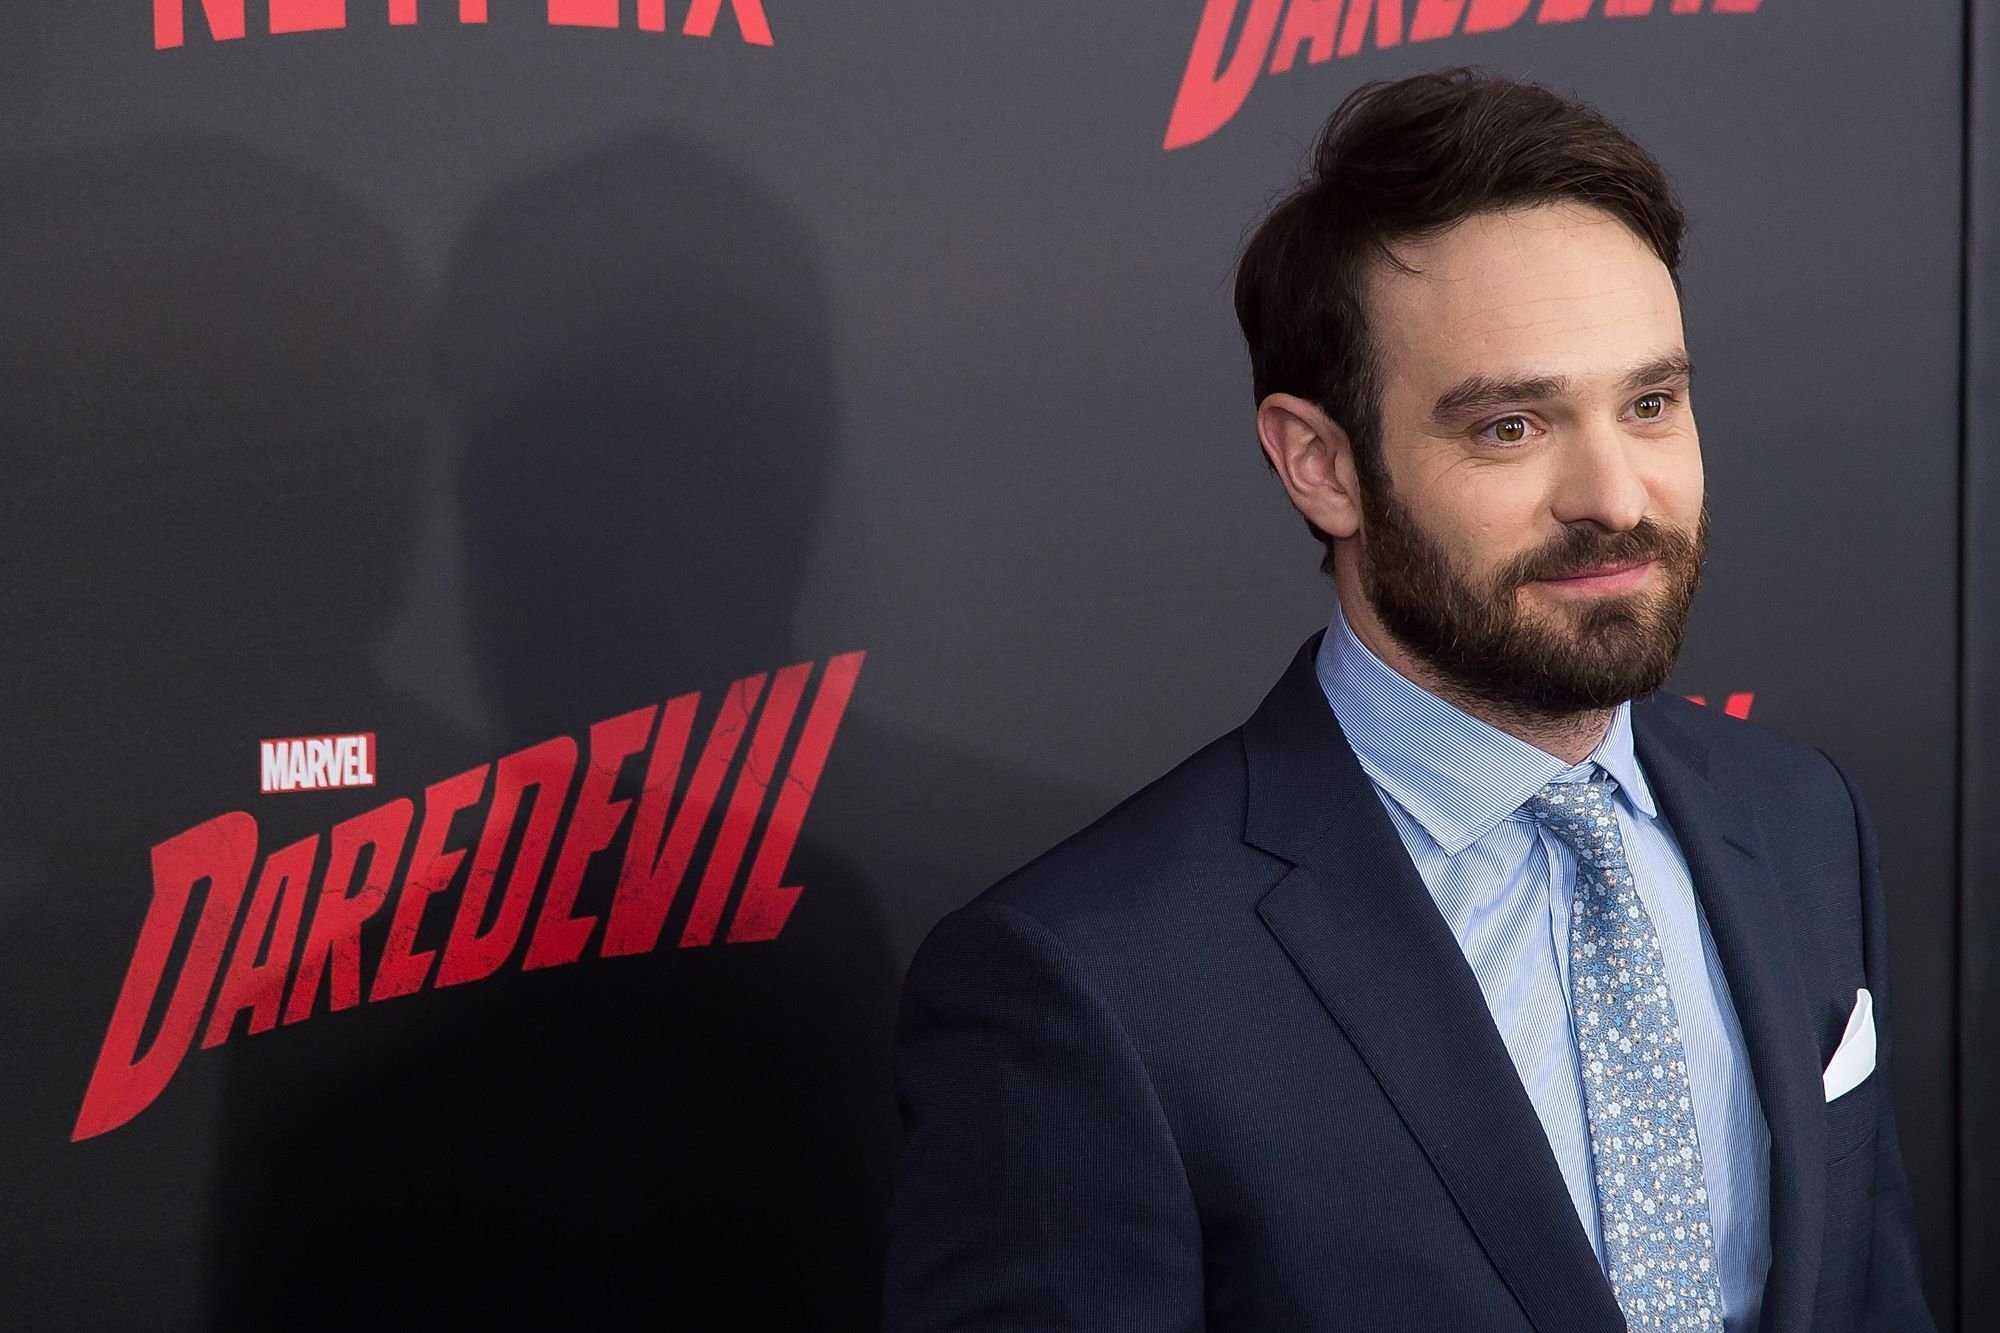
<point x="1405" y="161"/>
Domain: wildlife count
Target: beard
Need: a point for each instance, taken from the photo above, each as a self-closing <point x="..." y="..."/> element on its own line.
<point x="1543" y="662"/>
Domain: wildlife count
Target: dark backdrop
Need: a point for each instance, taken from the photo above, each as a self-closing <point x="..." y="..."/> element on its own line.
<point x="472" y="384"/>
<point x="1979" y="793"/>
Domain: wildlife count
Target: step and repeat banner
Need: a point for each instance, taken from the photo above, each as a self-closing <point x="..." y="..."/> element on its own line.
<point x="547" y="541"/>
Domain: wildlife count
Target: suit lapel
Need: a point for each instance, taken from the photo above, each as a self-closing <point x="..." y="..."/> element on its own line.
<point x="1753" y="937"/>
<point x="1355" y="918"/>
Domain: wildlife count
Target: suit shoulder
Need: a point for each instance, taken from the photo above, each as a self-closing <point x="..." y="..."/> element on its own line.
<point x="1739" y="738"/>
<point x="1180" y="835"/>
<point x="1768" y="767"/>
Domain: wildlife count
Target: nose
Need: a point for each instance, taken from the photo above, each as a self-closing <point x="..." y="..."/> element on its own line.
<point x="1599" y="480"/>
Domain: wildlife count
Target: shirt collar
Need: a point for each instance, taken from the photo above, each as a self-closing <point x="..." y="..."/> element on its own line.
<point x="1456" y="775"/>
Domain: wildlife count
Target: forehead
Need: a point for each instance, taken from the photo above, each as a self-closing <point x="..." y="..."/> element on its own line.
<point x="1554" y="288"/>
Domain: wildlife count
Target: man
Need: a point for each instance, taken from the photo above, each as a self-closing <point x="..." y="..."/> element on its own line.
<point x="1471" y="984"/>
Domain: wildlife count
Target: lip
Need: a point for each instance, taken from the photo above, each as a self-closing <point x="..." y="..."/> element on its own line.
<point x="1611" y="578"/>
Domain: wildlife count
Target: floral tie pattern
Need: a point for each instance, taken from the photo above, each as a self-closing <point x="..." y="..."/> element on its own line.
<point x="1652" y="1201"/>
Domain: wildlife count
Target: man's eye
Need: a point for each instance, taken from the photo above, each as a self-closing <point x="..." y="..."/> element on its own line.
<point x="1510" y="430"/>
<point x="1651" y="407"/>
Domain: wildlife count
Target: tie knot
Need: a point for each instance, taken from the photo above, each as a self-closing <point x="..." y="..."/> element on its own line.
<point x="1581" y="814"/>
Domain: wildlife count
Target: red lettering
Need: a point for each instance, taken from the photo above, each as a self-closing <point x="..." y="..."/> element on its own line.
<point x="307" y="15"/>
<point x="638" y="879"/>
<point x="123" y="1083"/>
<point x="559" y="937"/>
<point x="759" y="767"/>
<point x="1735" y="6"/>
<point x="1388" y="25"/>
<point x="654" y="869"/>
<point x="584" y="13"/>
<point x="1211" y="95"/>
<point x="277" y="980"/>
<point x="1493" y="15"/>
<point x="260" y="986"/>
<point x="1306" y="21"/>
<point x="652" y="15"/>
<point x="764" y="907"/>
<point x="403" y="969"/>
<point x="1435" y="19"/>
<point x="547" y="768"/>
<point x="1738" y="705"/>
<point x="333" y="941"/>
<point x="749" y="14"/>
<point x="1564" y="11"/>
<point x="225" y="21"/>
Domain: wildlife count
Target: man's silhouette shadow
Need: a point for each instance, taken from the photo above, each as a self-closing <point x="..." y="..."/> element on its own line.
<point x="635" y="348"/>
<point x="221" y="443"/>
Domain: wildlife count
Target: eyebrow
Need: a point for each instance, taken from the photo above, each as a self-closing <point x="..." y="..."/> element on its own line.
<point x="1481" y="393"/>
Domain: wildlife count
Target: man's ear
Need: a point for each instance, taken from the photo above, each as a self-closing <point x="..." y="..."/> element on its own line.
<point x="1314" y="459"/>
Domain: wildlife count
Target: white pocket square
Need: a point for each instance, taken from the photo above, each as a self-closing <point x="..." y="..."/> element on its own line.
<point x="1855" y="1058"/>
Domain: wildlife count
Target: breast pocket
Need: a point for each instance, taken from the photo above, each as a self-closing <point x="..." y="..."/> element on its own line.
<point x="1851" y="1120"/>
<point x="1851" y="1123"/>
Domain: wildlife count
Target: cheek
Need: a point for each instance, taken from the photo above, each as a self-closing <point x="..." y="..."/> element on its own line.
<point x="1677" y="484"/>
<point x="1495" y="517"/>
<point x="1481" y="540"/>
<point x="1478" y="514"/>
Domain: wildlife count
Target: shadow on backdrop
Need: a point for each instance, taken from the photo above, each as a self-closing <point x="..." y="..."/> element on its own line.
<point x="633" y="347"/>
<point x="215" y="412"/>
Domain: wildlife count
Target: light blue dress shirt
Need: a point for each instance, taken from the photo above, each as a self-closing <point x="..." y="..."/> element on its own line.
<point x="1454" y="785"/>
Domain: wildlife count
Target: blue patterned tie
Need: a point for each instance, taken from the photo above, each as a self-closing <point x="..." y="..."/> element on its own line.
<point x="1651" y="1200"/>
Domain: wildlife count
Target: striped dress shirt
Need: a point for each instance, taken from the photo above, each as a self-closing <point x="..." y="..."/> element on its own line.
<point x="1453" y="786"/>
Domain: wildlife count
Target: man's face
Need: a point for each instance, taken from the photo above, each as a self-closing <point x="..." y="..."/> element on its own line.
<point x="1538" y="536"/>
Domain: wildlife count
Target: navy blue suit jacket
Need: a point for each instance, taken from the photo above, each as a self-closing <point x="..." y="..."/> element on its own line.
<point x="1217" y="1063"/>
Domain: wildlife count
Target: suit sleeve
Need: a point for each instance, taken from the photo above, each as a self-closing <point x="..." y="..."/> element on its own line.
<point x="1039" y="1187"/>
<point x="1895" y="1282"/>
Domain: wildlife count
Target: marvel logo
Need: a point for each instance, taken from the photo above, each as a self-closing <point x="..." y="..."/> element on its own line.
<point x="318" y="763"/>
